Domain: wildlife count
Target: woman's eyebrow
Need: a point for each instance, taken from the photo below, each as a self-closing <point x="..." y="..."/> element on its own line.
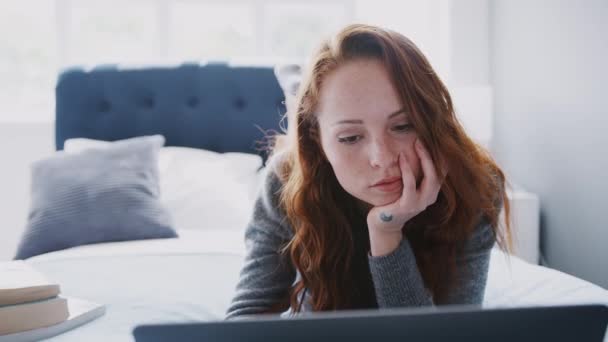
<point x="357" y="121"/>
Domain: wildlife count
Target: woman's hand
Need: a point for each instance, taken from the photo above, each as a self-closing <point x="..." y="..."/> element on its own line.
<point x="388" y="220"/>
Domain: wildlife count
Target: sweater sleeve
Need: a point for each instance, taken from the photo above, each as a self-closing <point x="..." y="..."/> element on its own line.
<point x="473" y="266"/>
<point x="398" y="282"/>
<point x="266" y="275"/>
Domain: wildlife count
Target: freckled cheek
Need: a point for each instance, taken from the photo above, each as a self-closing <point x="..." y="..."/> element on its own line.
<point x="346" y="177"/>
<point x="357" y="169"/>
<point x="348" y="169"/>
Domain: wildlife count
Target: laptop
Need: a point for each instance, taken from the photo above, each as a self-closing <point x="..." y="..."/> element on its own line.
<point x="446" y="323"/>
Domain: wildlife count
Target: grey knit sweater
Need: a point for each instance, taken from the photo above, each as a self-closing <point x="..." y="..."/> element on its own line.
<point x="267" y="275"/>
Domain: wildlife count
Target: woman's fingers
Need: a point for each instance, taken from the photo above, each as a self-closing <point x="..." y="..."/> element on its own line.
<point x="430" y="185"/>
<point x="391" y="217"/>
<point x="407" y="176"/>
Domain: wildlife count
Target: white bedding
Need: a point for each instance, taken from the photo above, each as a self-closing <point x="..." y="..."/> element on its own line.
<point x="511" y="281"/>
<point x="192" y="278"/>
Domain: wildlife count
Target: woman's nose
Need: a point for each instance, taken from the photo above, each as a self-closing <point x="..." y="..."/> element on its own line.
<point x="382" y="155"/>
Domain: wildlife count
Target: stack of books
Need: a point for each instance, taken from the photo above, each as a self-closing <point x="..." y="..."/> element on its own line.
<point x="32" y="307"/>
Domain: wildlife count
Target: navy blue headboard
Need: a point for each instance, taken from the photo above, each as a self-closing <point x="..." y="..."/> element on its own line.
<point x="215" y="107"/>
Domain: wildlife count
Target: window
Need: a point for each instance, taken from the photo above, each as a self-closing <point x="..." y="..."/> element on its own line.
<point x="97" y="33"/>
<point x="210" y="31"/>
<point x="294" y="29"/>
<point x="28" y="52"/>
<point x="40" y="38"/>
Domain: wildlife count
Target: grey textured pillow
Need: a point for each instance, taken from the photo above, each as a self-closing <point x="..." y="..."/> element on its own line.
<point x="98" y="195"/>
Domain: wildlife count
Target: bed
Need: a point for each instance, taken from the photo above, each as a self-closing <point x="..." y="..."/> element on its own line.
<point x="217" y="108"/>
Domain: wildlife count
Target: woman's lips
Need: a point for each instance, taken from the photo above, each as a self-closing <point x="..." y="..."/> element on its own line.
<point x="389" y="187"/>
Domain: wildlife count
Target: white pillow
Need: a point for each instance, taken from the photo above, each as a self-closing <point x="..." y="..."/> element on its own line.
<point x="202" y="189"/>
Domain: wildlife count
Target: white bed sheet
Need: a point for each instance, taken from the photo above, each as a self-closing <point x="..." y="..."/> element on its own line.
<point x="203" y="267"/>
<point x="511" y="281"/>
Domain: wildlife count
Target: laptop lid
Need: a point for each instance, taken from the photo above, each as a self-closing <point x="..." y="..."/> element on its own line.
<point x="556" y="323"/>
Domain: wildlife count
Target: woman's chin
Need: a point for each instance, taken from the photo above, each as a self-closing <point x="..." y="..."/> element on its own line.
<point x="379" y="201"/>
<point x="376" y="200"/>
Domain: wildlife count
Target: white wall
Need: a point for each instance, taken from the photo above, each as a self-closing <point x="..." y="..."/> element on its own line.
<point x="20" y="144"/>
<point x="549" y="70"/>
<point x="544" y="64"/>
<point x="469" y="43"/>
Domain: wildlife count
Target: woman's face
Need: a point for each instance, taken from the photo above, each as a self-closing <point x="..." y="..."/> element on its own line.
<point x="363" y="127"/>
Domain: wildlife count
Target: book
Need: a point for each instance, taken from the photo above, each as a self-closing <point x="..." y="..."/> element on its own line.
<point x="21" y="283"/>
<point x="27" y="316"/>
<point x="80" y="312"/>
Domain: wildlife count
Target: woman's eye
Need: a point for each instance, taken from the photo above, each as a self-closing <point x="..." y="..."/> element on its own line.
<point x="350" y="140"/>
<point x="403" y="128"/>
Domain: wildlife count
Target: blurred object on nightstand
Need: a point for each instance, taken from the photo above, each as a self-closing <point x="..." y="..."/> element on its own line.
<point x="525" y="223"/>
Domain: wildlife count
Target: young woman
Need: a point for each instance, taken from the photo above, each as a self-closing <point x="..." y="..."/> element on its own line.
<point x="379" y="199"/>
